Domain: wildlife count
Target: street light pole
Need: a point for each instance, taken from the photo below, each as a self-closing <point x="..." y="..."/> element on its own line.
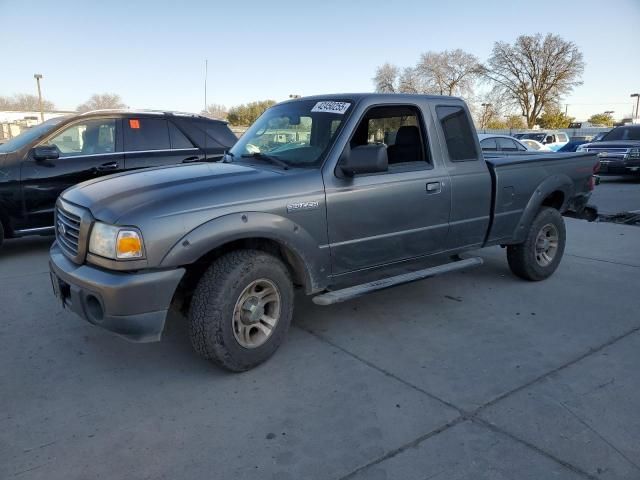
<point x="608" y="113"/>
<point x="38" y="76"/>
<point x="484" y="113"/>
<point x="637" y="95"/>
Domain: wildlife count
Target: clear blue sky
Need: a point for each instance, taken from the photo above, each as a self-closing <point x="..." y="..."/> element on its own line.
<point x="152" y="52"/>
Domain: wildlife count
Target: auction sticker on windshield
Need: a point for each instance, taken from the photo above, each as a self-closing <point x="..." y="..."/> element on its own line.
<point x="331" y="107"/>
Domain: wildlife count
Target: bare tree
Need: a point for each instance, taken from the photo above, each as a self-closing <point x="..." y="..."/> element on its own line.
<point x="217" y="111"/>
<point x="101" y="101"/>
<point x="535" y="71"/>
<point x="411" y="81"/>
<point x="25" y="102"/>
<point x="386" y="78"/>
<point x="451" y="72"/>
<point x="5" y="103"/>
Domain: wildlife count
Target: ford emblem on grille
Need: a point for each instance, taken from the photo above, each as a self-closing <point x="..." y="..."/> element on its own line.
<point x="61" y="229"/>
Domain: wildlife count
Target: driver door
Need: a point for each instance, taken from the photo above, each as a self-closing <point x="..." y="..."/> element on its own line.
<point x="88" y="148"/>
<point x="383" y="218"/>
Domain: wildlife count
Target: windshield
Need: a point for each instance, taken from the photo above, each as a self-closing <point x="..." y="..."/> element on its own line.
<point x="623" y="133"/>
<point x="28" y="136"/>
<point x="297" y="133"/>
<point x="538" y="137"/>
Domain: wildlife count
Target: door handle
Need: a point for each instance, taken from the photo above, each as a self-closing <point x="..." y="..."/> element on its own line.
<point x="106" y="167"/>
<point x="434" y="187"/>
<point x="191" y="159"/>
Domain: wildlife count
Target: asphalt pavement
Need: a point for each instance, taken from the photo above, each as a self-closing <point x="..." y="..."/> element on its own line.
<point x="473" y="375"/>
<point x="617" y="194"/>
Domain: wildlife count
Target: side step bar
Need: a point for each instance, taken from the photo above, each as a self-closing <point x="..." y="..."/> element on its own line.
<point x="338" y="296"/>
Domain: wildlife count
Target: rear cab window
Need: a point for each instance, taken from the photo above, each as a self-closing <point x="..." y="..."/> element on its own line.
<point x="458" y="134"/>
<point x="146" y="134"/>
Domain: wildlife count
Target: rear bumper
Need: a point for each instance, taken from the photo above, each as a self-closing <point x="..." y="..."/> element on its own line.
<point x="132" y="305"/>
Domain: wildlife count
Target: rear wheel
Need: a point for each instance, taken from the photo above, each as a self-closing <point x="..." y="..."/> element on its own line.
<point x="241" y="309"/>
<point x="540" y="254"/>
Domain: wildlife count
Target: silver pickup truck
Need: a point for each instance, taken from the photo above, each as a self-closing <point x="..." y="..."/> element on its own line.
<point x="336" y="195"/>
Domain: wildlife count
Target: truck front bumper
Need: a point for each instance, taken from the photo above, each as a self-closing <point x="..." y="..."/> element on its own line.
<point x="133" y="305"/>
<point x="619" y="166"/>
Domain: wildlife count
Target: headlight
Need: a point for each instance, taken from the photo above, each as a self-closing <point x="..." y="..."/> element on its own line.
<point x="118" y="243"/>
<point x="634" y="153"/>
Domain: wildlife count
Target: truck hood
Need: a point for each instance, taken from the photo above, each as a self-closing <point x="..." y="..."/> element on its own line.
<point x="158" y="191"/>
<point x="613" y="144"/>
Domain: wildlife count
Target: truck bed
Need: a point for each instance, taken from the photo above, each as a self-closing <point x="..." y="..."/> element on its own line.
<point x="563" y="179"/>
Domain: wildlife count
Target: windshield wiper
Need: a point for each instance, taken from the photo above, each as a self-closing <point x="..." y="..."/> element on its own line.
<point x="268" y="158"/>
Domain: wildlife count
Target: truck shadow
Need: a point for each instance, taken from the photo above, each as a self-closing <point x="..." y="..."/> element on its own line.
<point x="25" y="246"/>
<point x="622" y="180"/>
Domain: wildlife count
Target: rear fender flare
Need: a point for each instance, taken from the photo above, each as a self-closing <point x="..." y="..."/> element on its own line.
<point x="254" y="225"/>
<point x="552" y="184"/>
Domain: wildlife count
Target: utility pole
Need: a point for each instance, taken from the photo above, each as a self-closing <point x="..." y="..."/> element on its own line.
<point x="637" y="95"/>
<point x="38" y="76"/>
<point x="206" y="68"/>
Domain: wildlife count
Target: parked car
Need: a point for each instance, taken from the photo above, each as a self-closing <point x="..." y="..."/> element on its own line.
<point x="618" y="150"/>
<point x="43" y="161"/>
<point x="337" y="216"/>
<point x="534" y="146"/>
<point x="553" y="140"/>
<point x="500" y="145"/>
<point x="572" y="146"/>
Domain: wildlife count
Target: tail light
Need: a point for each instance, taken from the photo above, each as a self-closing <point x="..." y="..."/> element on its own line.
<point x="593" y="179"/>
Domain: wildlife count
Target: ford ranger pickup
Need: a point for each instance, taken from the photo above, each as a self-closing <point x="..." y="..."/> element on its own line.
<point x="336" y="195"/>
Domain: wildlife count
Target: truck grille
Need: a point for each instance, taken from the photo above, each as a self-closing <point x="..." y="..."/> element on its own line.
<point x="604" y="152"/>
<point x="72" y="225"/>
<point x="67" y="231"/>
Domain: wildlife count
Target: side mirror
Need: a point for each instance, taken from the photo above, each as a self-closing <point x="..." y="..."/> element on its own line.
<point x="364" y="159"/>
<point x="46" y="152"/>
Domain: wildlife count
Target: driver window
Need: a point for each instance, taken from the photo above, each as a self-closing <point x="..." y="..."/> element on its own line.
<point x="397" y="127"/>
<point x="87" y="138"/>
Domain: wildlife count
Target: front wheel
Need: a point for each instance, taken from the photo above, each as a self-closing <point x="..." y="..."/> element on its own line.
<point x="241" y="309"/>
<point x="540" y="254"/>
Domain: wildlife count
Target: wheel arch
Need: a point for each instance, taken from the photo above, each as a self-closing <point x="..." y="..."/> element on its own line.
<point x="306" y="260"/>
<point x="554" y="192"/>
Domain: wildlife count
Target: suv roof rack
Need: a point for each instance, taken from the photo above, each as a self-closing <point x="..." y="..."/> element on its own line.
<point x="146" y="112"/>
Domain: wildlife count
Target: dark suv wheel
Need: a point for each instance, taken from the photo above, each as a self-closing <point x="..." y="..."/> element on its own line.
<point x="241" y="309"/>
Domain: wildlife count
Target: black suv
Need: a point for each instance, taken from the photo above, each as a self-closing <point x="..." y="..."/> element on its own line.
<point x="36" y="166"/>
<point x="618" y="150"/>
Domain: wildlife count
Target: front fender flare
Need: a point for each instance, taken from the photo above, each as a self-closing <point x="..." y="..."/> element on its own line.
<point x="313" y="257"/>
<point x="552" y="184"/>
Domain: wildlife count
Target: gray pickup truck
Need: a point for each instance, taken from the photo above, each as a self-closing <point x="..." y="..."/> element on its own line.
<point x="337" y="195"/>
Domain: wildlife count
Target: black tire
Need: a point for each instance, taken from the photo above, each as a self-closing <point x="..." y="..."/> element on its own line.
<point x="525" y="260"/>
<point x="211" y="315"/>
